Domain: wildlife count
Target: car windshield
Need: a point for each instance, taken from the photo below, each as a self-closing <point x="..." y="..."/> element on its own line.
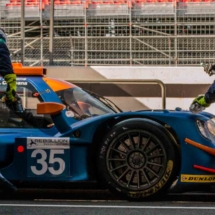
<point x="82" y="103"/>
<point x="105" y="101"/>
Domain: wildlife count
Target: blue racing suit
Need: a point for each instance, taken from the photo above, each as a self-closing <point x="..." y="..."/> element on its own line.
<point x="5" y="61"/>
<point x="6" y="69"/>
<point x="210" y="94"/>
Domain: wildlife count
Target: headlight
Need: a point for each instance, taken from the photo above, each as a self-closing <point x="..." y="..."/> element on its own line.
<point x="213" y="119"/>
<point x="211" y="127"/>
<point x="207" y="129"/>
<point x="201" y="127"/>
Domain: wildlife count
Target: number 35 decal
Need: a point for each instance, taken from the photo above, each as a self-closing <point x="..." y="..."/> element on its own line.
<point x="48" y="157"/>
<point x="53" y="158"/>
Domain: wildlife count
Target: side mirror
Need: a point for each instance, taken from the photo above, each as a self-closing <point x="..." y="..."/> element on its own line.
<point x="51" y="108"/>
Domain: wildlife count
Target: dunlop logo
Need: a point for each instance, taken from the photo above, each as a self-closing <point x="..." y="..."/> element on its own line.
<point x="198" y="178"/>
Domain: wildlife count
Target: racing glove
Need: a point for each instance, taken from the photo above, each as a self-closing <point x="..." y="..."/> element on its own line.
<point x="198" y="104"/>
<point x="11" y="98"/>
<point x="209" y="68"/>
<point x="11" y="87"/>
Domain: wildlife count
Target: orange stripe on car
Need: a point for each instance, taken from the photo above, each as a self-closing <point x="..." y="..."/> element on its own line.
<point x="200" y="146"/>
<point x="20" y="70"/>
<point x="57" y="85"/>
<point x="17" y="65"/>
<point x="54" y="84"/>
<point x="28" y="71"/>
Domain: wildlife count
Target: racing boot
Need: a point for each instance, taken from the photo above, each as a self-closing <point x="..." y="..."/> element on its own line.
<point x="6" y="186"/>
<point x="11" y="99"/>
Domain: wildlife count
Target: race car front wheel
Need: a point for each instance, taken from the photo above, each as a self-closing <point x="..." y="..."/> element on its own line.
<point x="138" y="159"/>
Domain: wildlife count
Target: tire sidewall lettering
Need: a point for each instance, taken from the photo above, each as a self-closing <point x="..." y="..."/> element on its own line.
<point x="103" y="149"/>
<point x="170" y="166"/>
<point x="157" y="186"/>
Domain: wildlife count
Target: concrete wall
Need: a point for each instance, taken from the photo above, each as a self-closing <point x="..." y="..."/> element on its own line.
<point x="182" y="84"/>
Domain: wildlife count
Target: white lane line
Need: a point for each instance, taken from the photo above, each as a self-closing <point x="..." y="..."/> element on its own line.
<point x="107" y="206"/>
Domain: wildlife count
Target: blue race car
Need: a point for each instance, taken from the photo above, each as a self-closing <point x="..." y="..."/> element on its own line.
<point x="71" y="135"/>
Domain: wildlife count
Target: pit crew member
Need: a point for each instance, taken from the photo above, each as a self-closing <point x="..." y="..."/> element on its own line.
<point x="205" y="100"/>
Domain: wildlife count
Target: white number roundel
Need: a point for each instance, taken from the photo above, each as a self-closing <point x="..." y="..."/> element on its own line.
<point x="52" y="159"/>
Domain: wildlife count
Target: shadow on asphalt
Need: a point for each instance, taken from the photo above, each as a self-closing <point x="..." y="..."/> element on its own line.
<point x="96" y="195"/>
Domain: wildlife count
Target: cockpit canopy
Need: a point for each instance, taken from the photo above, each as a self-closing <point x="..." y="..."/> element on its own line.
<point x="81" y="103"/>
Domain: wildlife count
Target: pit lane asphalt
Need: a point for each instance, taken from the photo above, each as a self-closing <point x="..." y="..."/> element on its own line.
<point x="103" y="203"/>
<point x="105" y="208"/>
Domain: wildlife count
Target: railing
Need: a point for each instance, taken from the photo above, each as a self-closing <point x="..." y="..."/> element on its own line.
<point x="148" y="32"/>
<point x="134" y="81"/>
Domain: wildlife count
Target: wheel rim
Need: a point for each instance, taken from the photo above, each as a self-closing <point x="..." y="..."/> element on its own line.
<point x="136" y="160"/>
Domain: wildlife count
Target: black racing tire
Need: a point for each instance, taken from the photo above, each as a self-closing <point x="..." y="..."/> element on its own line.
<point x="138" y="160"/>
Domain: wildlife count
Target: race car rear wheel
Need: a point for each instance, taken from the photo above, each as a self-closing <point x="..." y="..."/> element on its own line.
<point x="138" y="159"/>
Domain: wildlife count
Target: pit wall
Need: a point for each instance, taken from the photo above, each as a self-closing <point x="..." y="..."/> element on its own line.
<point x="182" y="84"/>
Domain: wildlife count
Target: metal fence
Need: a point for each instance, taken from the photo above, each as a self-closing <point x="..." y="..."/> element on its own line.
<point x="110" y="32"/>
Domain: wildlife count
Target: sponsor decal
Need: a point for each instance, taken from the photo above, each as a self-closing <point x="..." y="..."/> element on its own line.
<point x="69" y="113"/>
<point x="22" y="83"/>
<point x="36" y="94"/>
<point x="19" y="83"/>
<point x="47" y="143"/>
<point x="21" y="79"/>
<point x="157" y="186"/>
<point x="198" y="178"/>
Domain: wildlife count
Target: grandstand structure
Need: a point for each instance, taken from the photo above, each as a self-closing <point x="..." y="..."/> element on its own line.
<point x="111" y="32"/>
